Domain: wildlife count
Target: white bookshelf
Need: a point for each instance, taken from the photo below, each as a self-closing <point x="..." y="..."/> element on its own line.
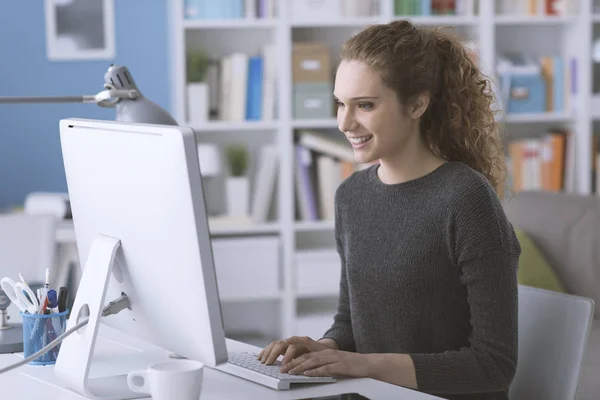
<point x="534" y="20"/>
<point x="227" y="126"/>
<point x="570" y="35"/>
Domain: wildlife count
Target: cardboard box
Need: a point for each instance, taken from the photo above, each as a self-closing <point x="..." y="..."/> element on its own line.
<point x="311" y="62"/>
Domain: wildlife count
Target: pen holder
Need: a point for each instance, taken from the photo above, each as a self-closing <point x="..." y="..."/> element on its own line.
<point x="38" y="331"/>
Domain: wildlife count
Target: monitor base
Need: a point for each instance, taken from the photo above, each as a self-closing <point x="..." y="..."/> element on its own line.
<point x="75" y="357"/>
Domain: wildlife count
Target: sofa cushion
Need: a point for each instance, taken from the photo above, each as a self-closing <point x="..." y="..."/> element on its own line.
<point x="534" y="270"/>
<point x="566" y="228"/>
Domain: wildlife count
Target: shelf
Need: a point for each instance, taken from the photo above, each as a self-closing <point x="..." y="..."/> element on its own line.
<point x="317" y="294"/>
<point x="251" y="298"/>
<point x="224" y="126"/>
<point x="65" y="231"/>
<point x="314" y="226"/>
<point x="227" y="229"/>
<point x="536" y="118"/>
<point x="595" y="17"/>
<point x="315" y="123"/>
<point x="229" y="24"/>
<point x="449" y="20"/>
<point x="533" y="20"/>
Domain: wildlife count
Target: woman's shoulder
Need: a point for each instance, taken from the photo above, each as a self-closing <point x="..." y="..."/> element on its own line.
<point x="464" y="183"/>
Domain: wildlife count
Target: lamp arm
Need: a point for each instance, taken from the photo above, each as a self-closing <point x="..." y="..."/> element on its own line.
<point x="48" y="99"/>
<point x="102" y="98"/>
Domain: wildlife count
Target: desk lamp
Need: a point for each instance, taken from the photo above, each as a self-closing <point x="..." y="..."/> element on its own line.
<point x="121" y="92"/>
<point x="131" y="106"/>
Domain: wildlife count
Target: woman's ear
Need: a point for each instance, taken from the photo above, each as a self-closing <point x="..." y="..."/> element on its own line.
<point x="419" y="106"/>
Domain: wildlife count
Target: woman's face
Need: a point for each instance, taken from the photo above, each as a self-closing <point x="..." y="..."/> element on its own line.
<point x="370" y="115"/>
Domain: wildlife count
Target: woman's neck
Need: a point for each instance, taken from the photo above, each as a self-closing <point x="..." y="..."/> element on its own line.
<point x="411" y="163"/>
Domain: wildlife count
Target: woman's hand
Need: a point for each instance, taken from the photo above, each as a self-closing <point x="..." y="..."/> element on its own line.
<point x="330" y="363"/>
<point x="291" y="348"/>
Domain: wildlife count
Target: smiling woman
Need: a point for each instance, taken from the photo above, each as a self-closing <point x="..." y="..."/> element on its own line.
<point x="428" y="289"/>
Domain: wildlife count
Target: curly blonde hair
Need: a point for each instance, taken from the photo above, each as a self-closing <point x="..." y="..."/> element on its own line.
<point x="459" y="124"/>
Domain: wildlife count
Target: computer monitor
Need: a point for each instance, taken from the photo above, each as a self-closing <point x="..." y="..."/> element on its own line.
<point x="141" y="227"/>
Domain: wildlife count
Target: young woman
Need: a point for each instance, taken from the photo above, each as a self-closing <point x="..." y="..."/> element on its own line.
<point x="428" y="292"/>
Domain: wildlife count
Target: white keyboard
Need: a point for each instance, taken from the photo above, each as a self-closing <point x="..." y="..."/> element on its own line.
<point x="247" y="366"/>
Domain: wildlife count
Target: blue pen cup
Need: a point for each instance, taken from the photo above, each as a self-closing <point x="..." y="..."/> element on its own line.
<point x="38" y="331"/>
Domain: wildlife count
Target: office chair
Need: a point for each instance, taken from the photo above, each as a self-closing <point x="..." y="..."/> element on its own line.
<point x="553" y="333"/>
<point x="27" y="246"/>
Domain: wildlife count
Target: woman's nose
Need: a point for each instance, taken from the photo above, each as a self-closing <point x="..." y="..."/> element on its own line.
<point x="346" y="121"/>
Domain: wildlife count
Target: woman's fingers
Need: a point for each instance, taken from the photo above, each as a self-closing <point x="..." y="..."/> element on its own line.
<point x="291" y="352"/>
<point x="311" y="361"/>
<point x="266" y="350"/>
<point x="278" y="349"/>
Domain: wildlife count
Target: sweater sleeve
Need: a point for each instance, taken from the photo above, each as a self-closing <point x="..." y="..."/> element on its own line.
<point x="341" y="330"/>
<point x="486" y="251"/>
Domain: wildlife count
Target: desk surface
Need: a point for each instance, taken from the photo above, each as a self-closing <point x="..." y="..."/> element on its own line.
<point x="31" y="382"/>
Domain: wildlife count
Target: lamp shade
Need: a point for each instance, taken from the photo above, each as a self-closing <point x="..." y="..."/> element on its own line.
<point x="139" y="109"/>
<point x="209" y="158"/>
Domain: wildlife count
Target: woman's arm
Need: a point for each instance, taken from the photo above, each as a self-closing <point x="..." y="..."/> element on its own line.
<point x="341" y="331"/>
<point x="397" y="369"/>
<point x="486" y="252"/>
<point x="488" y="364"/>
<point x="329" y="342"/>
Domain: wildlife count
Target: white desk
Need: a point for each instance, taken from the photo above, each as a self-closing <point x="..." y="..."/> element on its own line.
<point x="31" y="382"/>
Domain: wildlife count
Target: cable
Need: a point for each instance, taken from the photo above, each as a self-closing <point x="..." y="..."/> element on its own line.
<point x="114" y="307"/>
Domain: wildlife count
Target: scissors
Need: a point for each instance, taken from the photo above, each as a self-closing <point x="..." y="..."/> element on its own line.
<point x="21" y="295"/>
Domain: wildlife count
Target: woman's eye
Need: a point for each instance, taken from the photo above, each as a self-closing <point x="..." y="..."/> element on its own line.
<point x="339" y="103"/>
<point x="365" y="106"/>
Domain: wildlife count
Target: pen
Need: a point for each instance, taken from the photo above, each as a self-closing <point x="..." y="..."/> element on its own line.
<point x="53" y="306"/>
<point x="43" y="299"/>
<point x="52" y="301"/>
<point x="47" y="283"/>
<point x="62" y="298"/>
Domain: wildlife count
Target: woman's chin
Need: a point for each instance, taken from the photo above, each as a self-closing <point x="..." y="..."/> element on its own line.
<point x="362" y="157"/>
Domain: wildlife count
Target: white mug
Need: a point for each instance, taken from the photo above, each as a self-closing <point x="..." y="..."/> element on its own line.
<point x="167" y="380"/>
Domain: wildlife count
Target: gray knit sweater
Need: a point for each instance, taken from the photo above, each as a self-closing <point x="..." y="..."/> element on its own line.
<point x="429" y="269"/>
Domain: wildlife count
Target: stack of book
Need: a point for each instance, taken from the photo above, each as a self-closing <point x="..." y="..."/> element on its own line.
<point x="242" y="86"/>
<point x="545" y="163"/>
<point x="536" y="7"/>
<point x="229" y="9"/>
<point x="322" y="163"/>
<point x="434" y="7"/>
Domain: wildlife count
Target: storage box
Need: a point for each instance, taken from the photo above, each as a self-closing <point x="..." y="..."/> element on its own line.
<point x="522" y="83"/>
<point x="247" y="267"/>
<point x="313" y="100"/>
<point x="318" y="272"/>
<point x="527" y="93"/>
<point x="311" y="62"/>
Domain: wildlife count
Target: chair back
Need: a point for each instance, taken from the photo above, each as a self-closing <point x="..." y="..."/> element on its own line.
<point x="553" y="332"/>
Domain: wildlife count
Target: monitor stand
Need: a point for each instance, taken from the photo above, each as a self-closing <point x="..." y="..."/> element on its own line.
<point x="76" y="351"/>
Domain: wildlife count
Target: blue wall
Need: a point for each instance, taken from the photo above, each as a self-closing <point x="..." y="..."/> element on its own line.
<point x="30" y="155"/>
